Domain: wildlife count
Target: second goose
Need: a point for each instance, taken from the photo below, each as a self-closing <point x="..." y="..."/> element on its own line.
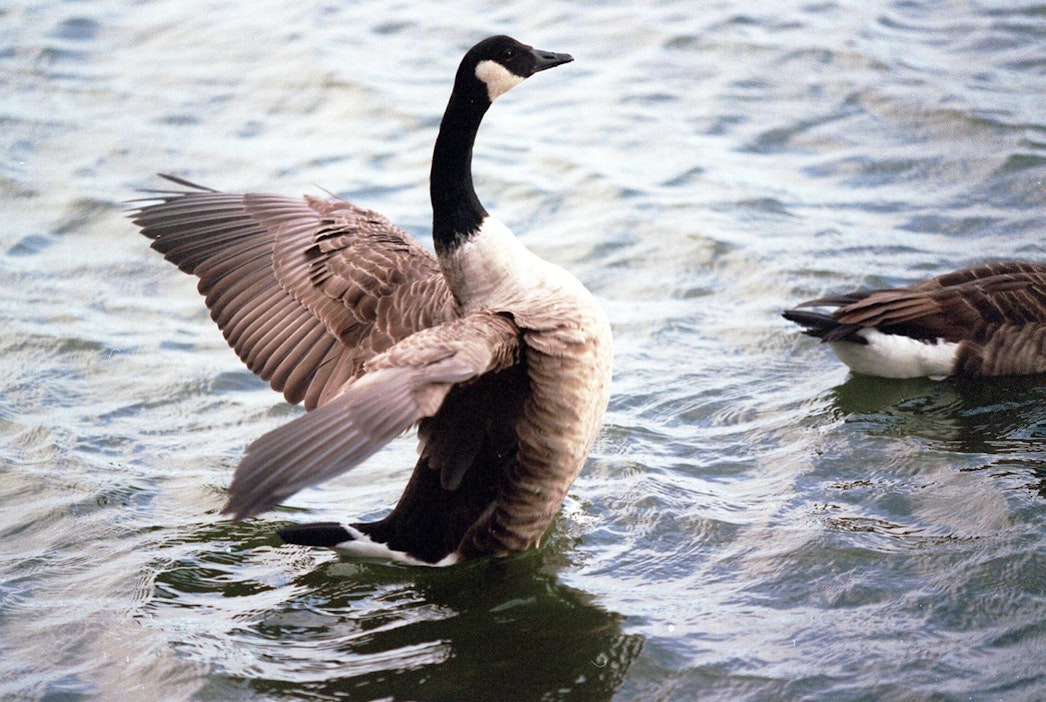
<point x="983" y="321"/>
<point x="501" y="359"/>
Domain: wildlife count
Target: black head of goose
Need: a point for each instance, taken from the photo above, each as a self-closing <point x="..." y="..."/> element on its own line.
<point x="984" y="321"/>
<point x="501" y="359"/>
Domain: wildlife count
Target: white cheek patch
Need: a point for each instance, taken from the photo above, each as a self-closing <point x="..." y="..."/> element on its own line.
<point x="498" y="79"/>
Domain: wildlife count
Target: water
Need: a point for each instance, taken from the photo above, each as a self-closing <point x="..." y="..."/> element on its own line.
<point x="754" y="523"/>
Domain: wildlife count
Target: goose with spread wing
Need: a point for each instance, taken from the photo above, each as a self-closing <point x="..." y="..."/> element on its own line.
<point x="501" y="360"/>
<point x="983" y="321"/>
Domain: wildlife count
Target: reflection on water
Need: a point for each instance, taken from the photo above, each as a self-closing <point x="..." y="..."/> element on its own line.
<point x="492" y="629"/>
<point x="998" y="416"/>
<point x="999" y="423"/>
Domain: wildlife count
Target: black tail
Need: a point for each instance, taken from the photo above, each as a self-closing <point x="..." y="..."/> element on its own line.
<point x="823" y="326"/>
<point x="326" y="534"/>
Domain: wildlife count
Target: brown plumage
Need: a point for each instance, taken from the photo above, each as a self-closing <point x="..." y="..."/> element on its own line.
<point x="992" y="318"/>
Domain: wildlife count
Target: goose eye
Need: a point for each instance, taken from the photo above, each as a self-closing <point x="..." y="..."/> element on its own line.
<point x="509" y="53"/>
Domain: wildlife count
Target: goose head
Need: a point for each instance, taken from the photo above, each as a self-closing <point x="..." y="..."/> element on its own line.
<point x="497" y="64"/>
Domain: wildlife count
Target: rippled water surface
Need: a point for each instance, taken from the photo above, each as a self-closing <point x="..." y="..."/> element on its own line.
<point x="754" y="522"/>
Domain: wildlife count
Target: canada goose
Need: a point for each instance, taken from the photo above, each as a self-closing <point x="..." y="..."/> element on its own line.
<point x="501" y="359"/>
<point x="983" y="321"/>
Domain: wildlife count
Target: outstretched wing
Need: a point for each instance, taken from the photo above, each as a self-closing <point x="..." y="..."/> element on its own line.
<point x="305" y="290"/>
<point x="400" y="387"/>
<point x="953" y="306"/>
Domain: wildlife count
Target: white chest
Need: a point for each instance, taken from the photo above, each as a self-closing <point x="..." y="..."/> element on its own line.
<point x="494" y="271"/>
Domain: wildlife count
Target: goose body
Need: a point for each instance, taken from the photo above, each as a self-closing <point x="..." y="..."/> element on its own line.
<point x="984" y="321"/>
<point x="500" y="359"/>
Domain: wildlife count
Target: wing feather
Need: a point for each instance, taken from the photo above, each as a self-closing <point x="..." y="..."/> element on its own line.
<point x="403" y="385"/>
<point x="305" y="290"/>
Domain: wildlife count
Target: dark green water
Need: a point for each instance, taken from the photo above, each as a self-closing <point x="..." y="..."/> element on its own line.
<point x="754" y="523"/>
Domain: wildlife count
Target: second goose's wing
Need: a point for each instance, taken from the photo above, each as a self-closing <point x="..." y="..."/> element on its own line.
<point x="955" y="306"/>
<point x="400" y="387"/>
<point x="305" y="290"/>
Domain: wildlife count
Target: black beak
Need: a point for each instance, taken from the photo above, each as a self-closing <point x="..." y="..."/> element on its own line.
<point x="548" y="59"/>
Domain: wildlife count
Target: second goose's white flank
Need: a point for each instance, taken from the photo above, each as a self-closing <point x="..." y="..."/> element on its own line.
<point x="896" y="356"/>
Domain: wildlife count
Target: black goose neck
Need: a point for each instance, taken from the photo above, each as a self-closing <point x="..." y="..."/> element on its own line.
<point x="456" y="210"/>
